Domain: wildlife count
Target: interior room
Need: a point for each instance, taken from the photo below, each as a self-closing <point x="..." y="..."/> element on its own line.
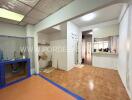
<point x="51" y="46"/>
<point x="65" y="49"/>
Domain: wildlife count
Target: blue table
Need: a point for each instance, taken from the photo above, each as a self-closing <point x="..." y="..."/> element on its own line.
<point x="3" y="64"/>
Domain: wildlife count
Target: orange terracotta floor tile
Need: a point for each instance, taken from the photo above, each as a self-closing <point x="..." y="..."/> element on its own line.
<point x="91" y="83"/>
<point x="34" y="88"/>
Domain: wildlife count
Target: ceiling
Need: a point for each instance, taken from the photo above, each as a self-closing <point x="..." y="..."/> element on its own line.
<point x="34" y="10"/>
<point x="50" y="30"/>
<point x="102" y="15"/>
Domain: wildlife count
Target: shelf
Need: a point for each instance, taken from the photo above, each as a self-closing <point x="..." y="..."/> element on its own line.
<point x="14" y="78"/>
<point x="20" y="70"/>
<point x="14" y="70"/>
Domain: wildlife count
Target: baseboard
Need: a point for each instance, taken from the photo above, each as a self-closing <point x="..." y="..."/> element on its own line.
<point x="64" y="68"/>
<point x="68" y="69"/>
<point x="105" y="67"/>
<point x="128" y="92"/>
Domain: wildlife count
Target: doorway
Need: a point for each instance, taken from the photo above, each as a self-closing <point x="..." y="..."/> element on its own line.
<point x="87" y="47"/>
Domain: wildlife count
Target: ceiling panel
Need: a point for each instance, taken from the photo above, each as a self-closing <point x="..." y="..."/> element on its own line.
<point x="15" y="6"/>
<point x="34" y="10"/>
<point x="48" y="6"/>
<point x="36" y="14"/>
<point x="8" y="21"/>
<point x="30" y="2"/>
<point x="63" y="2"/>
<point x="30" y="20"/>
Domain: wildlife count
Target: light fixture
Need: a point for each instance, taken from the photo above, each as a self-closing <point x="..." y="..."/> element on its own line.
<point x="10" y="15"/>
<point x="88" y="17"/>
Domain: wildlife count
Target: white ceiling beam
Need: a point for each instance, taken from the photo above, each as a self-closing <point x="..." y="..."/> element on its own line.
<point x="112" y="22"/>
<point x="72" y="10"/>
<point x="124" y="9"/>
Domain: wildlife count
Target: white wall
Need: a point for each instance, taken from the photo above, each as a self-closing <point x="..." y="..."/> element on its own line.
<point x="72" y="38"/>
<point x="36" y="52"/>
<point x="109" y="28"/>
<point x="58" y="42"/>
<point x="129" y="75"/>
<point x="125" y="54"/>
<point x="9" y="45"/>
<point x="30" y="31"/>
<point x="30" y="44"/>
<point x="43" y="38"/>
<point x="103" y="24"/>
<point x="12" y="30"/>
<point x="59" y="54"/>
<point x="105" y="31"/>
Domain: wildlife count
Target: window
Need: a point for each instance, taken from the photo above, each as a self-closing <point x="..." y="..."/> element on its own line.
<point x="106" y="44"/>
<point x="101" y="45"/>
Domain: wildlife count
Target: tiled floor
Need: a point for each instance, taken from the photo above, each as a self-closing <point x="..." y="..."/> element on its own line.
<point x="91" y="83"/>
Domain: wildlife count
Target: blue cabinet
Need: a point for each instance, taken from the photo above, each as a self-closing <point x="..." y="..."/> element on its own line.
<point x="14" y="71"/>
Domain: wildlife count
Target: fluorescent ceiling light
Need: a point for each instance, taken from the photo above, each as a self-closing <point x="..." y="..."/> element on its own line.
<point x="88" y="17"/>
<point x="10" y="15"/>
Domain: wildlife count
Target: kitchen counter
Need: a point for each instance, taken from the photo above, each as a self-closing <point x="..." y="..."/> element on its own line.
<point x="105" y="60"/>
<point x="104" y="53"/>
